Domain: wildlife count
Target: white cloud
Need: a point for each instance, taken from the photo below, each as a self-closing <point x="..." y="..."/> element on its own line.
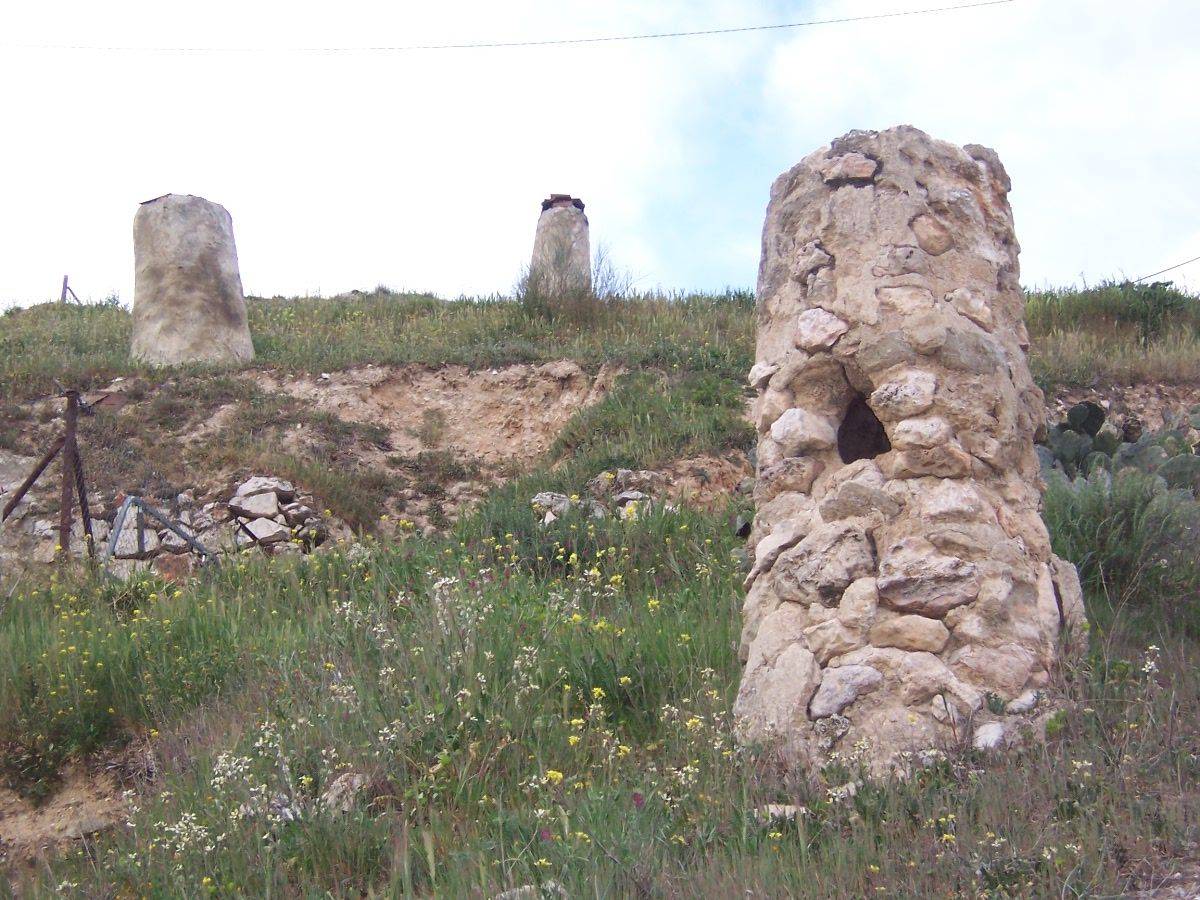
<point x="1090" y="103"/>
<point x="424" y="170"/>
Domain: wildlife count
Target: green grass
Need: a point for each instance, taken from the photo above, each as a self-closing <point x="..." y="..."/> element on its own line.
<point x="531" y="703"/>
<point x="1135" y="544"/>
<point x="1114" y="332"/>
<point x="566" y="719"/>
<point x="87" y="345"/>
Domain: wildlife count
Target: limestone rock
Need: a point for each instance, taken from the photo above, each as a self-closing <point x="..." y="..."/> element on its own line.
<point x="922" y="433"/>
<point x="188" y="305"/>
<point x="299" y="514"/>
<point x="1005" y="670"/>
<point x="795" y="473"/>
<point x="551" y="502"/>
<point x="953" y="501"/>
<point x="127" y="541"/>
<point x="343" y="792"/>
<point x="818" y="330"/>
<point x="173" y="543"/>
<point x="798" y="430"/>
<point x="831" y="638"/>
<point x="906" y="395"/>
<point x="971" y="305"/>
<point x="821" y="567"/>
<point x="773" y="698"/>
<point x="856" y="500"/>
<point x="767" y="551"/>
<point x="256" y="506"/>
<point x="902" y="572"/>
<point x="264" y="484"/>
<point x="858" y="604"/>
<point x="1070" y="596"/>
<point x="264" y="531"/>
<point x="777" y="812"/>
<point x="849" y="167"/>
<point x="13" y="469"/>
<point x="1026" y="703"/>
<point x="761" y="373"/>
<point x="620" y="481"/>
<point x="913" y="578"/>
<point x="842" y="686"/>
<point x="910" y="633"/>
<point x="546" y="890"/>
<point x="948" y="460"/>
<point x="989" y="736"/>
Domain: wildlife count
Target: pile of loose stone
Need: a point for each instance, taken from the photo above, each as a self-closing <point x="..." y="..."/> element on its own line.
<point x="263" y="512"/>
<point x="624" y="493"/>
<point x="903" y="594"/>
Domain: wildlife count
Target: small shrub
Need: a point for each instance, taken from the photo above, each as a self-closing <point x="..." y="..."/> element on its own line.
<point x="432" y="429"/>
<point x="1134" y="541"/>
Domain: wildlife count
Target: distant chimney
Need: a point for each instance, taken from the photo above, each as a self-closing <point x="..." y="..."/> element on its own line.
<point x="187" y="303"/>
<point x="562" y="258"/>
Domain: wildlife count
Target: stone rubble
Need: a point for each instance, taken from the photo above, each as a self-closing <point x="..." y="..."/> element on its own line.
<point x="262" y="511"/>
<point x="901" y="573"/>
<point x="624" y="493"/>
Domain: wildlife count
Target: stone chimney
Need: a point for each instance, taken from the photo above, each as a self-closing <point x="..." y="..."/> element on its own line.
<point x="903" y="595"/>
<point x="562" y="258"/>
<point x="187" y="303"/>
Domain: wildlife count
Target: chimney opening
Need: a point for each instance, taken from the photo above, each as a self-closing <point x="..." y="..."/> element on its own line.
<point x="861" y="434"/>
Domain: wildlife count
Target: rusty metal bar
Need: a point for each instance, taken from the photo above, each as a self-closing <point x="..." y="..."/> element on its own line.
<point x="70" y="449"/>
<point x="46" y="459"/>
<point x="84" y="507"/>
<point x="173" y="527"/>
<point x="140" y="506"/>
<point x="242" y="525"/>
<point x="118" y="525"/>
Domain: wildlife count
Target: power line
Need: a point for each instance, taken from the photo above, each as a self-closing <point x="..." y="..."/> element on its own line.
<point x="480" y="45"/>
<point x="1168" y="269"/>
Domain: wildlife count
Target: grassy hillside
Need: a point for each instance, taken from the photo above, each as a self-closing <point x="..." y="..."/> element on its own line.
<point x="1115" y="332"/>
<point x="532" y="704"/>
<point x="88" y="345"/>
<point x="553" y="704"/>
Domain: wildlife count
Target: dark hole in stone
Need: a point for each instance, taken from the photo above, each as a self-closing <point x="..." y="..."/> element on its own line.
<point x="861" y="435"/>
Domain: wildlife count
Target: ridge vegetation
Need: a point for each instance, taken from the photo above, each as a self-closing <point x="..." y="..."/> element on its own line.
<point x="1115" y="332"/>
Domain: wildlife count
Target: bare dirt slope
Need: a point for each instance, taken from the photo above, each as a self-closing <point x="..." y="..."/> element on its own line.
<point x="511" y="414"/>
<point x="85" y="803"/>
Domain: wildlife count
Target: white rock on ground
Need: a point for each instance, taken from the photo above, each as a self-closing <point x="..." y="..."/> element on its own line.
<point x="989" y="736"/>
<point x="256" y="506"/>
<point x="262" y="484"/>
<point x="265" y="531"/>
<point x="343" y="793"/>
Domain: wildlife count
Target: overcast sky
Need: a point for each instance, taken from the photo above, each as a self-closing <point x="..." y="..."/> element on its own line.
<point x="424" y="170"/>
